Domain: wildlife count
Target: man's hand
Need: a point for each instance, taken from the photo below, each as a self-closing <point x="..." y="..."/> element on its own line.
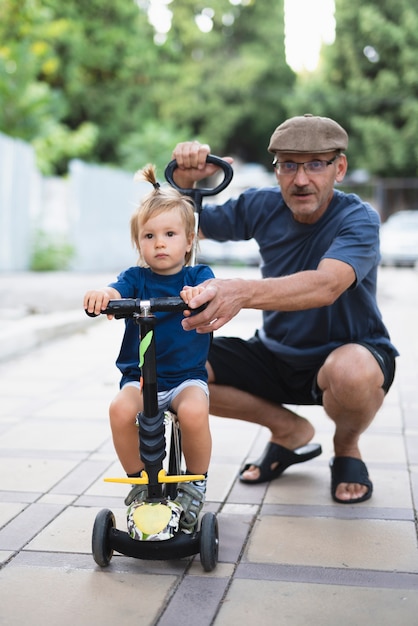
<point x="225" y="299"/>
<point x="191" y="163"/>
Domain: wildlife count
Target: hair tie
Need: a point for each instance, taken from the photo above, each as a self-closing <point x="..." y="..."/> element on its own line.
<point x="156" y="185"/>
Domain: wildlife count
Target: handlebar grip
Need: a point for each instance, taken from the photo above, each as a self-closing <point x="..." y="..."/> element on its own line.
<point x="200" y="192"/>
<point x="123" y="307"/>
<point x="173" y="303"/>
<point x="170" y="303"/>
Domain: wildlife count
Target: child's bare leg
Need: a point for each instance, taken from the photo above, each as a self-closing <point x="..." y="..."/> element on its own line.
<point x="192" y="408"/>
<point x="122" y="412"/>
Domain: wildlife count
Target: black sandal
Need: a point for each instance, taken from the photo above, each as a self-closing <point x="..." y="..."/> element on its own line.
<point x="274" y="453"/>
<point x="346" y="469"/>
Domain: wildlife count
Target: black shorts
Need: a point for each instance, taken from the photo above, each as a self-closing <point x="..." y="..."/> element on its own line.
<point x="248" y="365"/>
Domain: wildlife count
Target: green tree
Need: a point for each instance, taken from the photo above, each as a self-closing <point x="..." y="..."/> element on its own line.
<point x="71" y="77"/>
<point x="227" y="84"/>
<point x="96" y="80"/>
<point x="104" y="69"/>
<point x="368" y="82"/>
<point x="31" y="107"/>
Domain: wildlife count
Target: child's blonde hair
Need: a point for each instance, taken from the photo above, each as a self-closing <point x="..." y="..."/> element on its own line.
<point x="158" y="201"/>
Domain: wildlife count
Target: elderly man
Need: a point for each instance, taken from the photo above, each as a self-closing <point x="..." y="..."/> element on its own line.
<point x="323" y="340"/>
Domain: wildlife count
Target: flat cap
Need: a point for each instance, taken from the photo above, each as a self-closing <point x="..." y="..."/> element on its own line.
<point x="310" y="134"/>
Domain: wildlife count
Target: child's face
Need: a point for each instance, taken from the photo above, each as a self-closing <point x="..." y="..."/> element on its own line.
<point x="163" y="242"/>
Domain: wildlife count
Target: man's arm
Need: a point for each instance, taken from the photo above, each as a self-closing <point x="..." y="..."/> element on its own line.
<point x="297" y="292"/>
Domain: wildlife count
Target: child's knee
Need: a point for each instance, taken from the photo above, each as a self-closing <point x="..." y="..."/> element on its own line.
<point x="116" y="407"/>
<point x="192" y="417"/>
<point x="122" y="410"/>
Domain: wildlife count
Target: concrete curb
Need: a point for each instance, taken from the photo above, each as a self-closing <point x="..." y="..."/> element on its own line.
<point x="19" y="336"/>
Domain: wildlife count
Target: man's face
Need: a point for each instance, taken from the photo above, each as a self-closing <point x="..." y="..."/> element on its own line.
<point x="308" y="193"/>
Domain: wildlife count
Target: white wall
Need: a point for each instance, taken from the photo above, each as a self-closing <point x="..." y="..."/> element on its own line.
<point x="20" y="198"/>
<point x="90" y="208"/>
<point x="102" y="201"/>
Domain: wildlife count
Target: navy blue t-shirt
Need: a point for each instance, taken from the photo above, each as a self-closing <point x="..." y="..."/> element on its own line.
<point x="347" y="231"/>
<point x="180" y="354"/>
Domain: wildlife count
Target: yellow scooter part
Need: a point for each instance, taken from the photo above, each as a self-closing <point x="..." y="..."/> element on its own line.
<point x="151" y="518"/>
<point x="162" y="478"/>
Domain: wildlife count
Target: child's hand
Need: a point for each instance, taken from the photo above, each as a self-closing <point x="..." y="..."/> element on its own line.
<point x="188" y="293"/>
<point x="96" y="301"/>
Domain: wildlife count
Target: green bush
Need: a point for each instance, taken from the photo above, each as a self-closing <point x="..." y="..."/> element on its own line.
<point x="51" y="253"/>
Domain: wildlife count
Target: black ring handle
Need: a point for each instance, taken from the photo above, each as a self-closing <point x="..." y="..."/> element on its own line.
<point x="200" y="192"/>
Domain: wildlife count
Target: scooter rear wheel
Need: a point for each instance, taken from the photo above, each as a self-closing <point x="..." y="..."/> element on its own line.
<point x="100" y="541"/>
<point x="209" y="542"/>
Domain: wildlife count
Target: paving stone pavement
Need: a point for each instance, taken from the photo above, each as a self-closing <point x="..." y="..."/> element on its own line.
<point x="289" y="555"/>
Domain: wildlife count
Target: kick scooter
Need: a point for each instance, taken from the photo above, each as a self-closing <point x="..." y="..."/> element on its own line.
<point x="154" y="524"/>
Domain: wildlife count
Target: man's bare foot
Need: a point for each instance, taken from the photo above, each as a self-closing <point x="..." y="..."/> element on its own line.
<point x="350" y="491"/>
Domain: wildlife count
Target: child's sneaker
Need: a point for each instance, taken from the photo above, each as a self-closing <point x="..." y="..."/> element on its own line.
<point x="138" y="493"/>
<point x="191" y="497"/>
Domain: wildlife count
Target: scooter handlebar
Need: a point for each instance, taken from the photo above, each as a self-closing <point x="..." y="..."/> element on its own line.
<point x="128" y="307"/>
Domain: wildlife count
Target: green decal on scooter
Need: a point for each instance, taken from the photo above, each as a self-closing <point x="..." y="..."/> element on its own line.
<point x="144" y="345"/>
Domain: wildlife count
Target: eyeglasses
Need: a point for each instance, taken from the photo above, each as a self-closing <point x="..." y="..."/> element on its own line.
<point x="317" y="166"/>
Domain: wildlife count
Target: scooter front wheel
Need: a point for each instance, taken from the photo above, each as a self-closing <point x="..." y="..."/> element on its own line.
<point x="100" y="541"/>
<point x="209" y="542"/>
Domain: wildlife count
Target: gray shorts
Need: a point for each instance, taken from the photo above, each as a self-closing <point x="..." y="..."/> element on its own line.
<point x="166" y="397"/>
